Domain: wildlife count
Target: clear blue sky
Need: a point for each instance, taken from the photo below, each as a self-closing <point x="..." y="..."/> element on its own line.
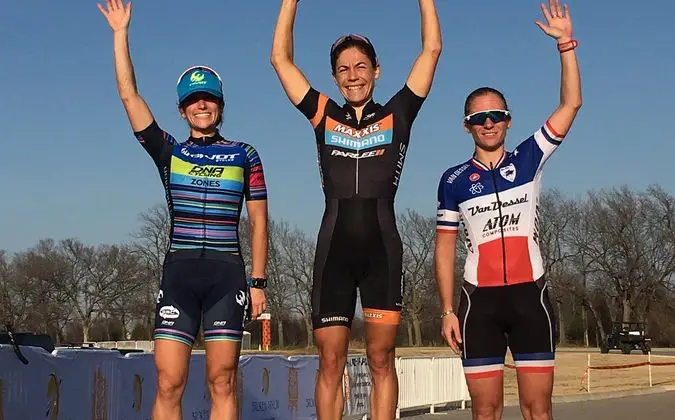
<point x="71" y="167"/>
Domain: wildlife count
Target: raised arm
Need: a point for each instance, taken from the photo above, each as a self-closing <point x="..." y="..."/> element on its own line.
<point x="559" y="27"/>
<point x="118" y="16"/>
<point x="422" y="73"/>
<point x="293" y="81"/>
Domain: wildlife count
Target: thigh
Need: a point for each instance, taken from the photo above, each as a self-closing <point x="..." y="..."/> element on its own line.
<point x="483" y="332"/>
<point x="225" y="303"/>
<point x="382" y="284"/>
<point x="178" y="307"/>
<point x="532" y="334"/>
<point x="380" y="340"/>
<point x="333" y="288"/>
<point x="222" y="357"/>
<point x="172" y="362"/>
<point x="483" y="347"/>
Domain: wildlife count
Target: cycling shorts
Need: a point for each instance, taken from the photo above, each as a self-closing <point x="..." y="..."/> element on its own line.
<point x="195" y="288"/>
<point x="519" y="316"/>
<point x="358" y="247"/>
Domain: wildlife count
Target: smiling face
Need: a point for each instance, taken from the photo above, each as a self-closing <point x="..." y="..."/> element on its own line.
<point x="490" y="134"/>
<point x="355" y="76"/>
<point x="203" y="113"/>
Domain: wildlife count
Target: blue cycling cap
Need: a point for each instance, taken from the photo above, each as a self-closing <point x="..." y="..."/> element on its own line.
<point x="199" y="79"/>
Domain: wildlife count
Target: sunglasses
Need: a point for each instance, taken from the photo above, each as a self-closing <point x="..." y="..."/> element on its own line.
<point x="495" y="115"/>
<point x="350" y="37"/>
<point x="209" y="69"/>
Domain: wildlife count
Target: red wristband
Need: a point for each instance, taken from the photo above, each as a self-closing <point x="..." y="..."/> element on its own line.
<point x="568" y="46"/>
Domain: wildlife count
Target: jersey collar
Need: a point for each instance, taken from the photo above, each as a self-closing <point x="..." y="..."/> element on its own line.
<point x="370" y="107"/>
<point x="206" y="140"/>
<point x="485" y="167"/>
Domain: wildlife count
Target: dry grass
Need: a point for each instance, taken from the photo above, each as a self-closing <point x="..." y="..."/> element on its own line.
<point x="570" y="368"/>
<point x="569" y="371"/>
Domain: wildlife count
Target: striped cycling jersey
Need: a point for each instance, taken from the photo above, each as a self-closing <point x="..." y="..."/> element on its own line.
<point x="498" y="209"/>
<point x="206" y="180"/>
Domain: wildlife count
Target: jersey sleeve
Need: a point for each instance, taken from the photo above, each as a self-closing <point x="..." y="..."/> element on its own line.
<point x="540" y="146"/>
<point x="157" y="142"/>
<point x="407" y="104"/>
<point x="313" y="106"/>
<point x="254" y="176"/>
<point x="447" y="211"/>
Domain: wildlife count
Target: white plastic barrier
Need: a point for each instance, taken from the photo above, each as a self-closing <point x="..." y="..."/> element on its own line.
<point x="101" y="384"/>
<point x="427" y="382"/>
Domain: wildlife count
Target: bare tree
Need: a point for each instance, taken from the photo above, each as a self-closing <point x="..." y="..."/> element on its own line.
<point x="37" y="275"/>
<point x="289" y="264"/>
<point x="297" y="252"/>
<point x="417" y="236"/>
<point x="555" y="216"/>
<point x="151" y="244"/>
<point x="583" y="262"/>
<point x="280" y="286"/>
<point x="6" y="293"/>
<point x="152" y="239"/>
<point x="630" y="249"/>
<point x="659" y="262"/>
<point x="98" y="278"/>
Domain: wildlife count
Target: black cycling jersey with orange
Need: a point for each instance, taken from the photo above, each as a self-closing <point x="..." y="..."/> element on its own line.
<point x="361" y="158"/>
<point x="358" y="245"/>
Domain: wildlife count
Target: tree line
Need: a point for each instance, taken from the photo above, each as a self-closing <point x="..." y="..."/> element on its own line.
<point x="609" y="256"/>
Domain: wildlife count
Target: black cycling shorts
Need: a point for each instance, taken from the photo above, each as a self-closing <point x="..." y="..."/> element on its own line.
<point x="197" y="288"/>
<point x="358" y="246"/>
<point x="519" y="316"/>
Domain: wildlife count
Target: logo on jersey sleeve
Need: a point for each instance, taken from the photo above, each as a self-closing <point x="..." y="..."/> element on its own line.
<point x="453" y="176"/>
<point x="376" y="134"/>
<point x="476" y="188"/>
<point x="508" y="172"/>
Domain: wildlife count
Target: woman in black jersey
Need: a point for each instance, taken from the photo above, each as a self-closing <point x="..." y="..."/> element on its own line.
<point x="362" y="147"/>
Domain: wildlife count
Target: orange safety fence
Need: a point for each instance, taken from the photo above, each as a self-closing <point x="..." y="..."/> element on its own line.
<point x="624" y="366"/>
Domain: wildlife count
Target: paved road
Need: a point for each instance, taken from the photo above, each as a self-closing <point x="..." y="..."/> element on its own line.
<point x="651" y="406"/>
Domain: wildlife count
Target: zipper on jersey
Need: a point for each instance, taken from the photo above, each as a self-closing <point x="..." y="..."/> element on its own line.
<point x="357" y="173"/>
<point x="501" y="225"/>
<point x="204" y="218"/>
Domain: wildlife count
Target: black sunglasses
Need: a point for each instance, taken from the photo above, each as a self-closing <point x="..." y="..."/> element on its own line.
<point x="495" y="115"/>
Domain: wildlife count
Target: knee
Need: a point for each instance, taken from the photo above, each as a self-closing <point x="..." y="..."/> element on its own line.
<point x="381" y="361"/>
<point x="486" y="409"/>
<point x="170" y="386"/>
<point x="535" y="409"/>
<point x="331" y="363"/>
<point x="222" y="383"/>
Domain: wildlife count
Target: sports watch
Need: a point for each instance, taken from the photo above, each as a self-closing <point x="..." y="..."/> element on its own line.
<point x="257" y="282"/>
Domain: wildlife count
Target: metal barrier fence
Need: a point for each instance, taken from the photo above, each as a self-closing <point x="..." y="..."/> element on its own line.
<point x="98" y="384"/>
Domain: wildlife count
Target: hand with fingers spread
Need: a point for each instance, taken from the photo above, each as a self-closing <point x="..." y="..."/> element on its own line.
<point x="258" y="303"/>
<point x="450" y="332"/>
<point x="117" y="14"/>
<point x="558" y="22"/>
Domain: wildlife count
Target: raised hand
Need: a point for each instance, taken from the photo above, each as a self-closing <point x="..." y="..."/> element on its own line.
<point x="116" y="13"/>
<point x="558" y="23"/>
